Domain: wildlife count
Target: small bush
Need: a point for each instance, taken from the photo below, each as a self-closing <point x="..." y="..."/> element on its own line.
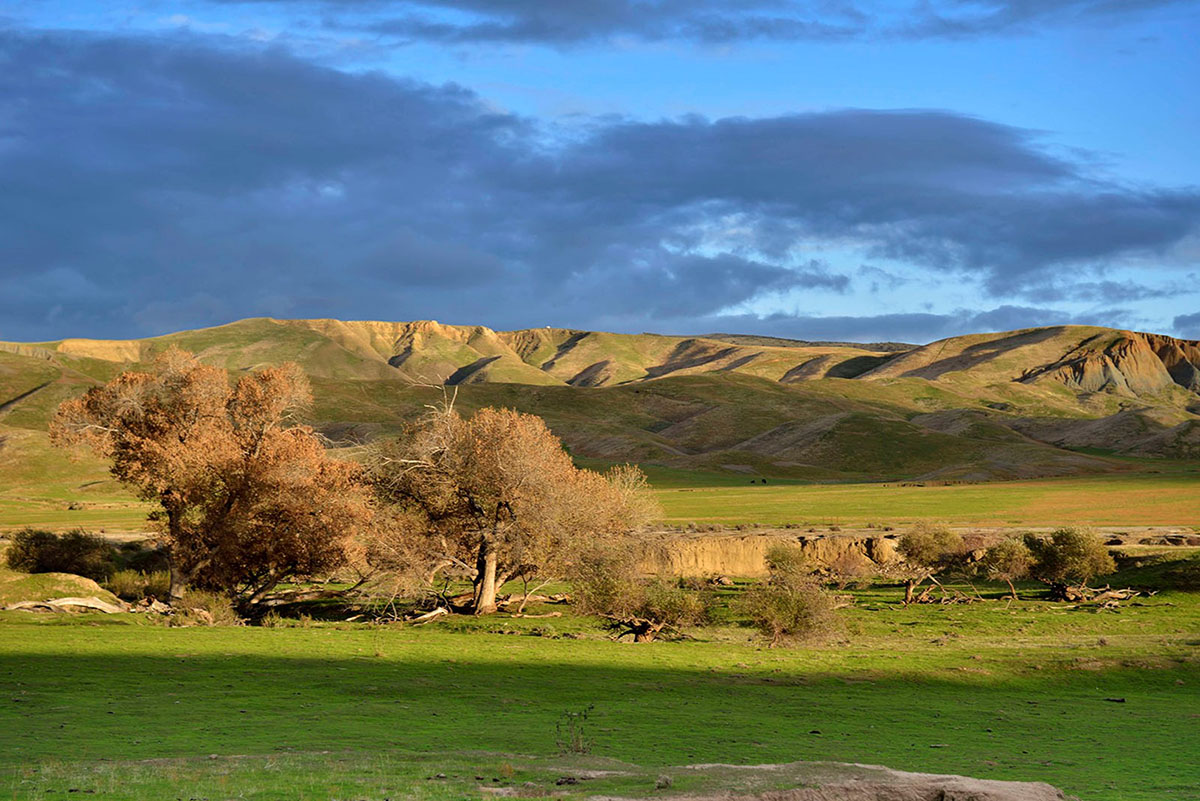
<point x="789" y="606"/>
<point x="77" y="552"/>
<point x="273" y="620"/>
<point x="1071" y="554"/>
<point x="782" y="558"/>
<point x="848" y="569"/>
<point x="672" y="604"/>
<point x="929" y="544"/>
<point x="605" y="582"/>
<point x="199" y="608"/>
<point x="1008" y="560"/>
<point x="133" y="585"/>
<point x="570" y="732"/>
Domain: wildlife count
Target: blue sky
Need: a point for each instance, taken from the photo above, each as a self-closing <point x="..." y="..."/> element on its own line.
<point x="813" y="170"/>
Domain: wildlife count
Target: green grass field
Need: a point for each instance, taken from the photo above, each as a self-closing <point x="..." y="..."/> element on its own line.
<point x="1021" y="691"/>
<point x="1133" y="500"/>
<point x="1136" y="499"/>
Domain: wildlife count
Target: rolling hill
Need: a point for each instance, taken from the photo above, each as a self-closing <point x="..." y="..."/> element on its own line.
<point x="1053" y="401"/>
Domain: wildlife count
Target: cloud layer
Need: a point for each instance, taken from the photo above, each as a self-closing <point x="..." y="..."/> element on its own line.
<point x="163" y="183"/>
<point x="564" y="24"/>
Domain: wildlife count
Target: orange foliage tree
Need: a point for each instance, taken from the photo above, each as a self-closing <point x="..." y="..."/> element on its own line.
<point x="247" y="498"/>
<point x="495" y="496"/>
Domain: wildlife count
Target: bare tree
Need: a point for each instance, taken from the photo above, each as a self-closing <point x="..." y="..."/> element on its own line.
<point x="247" y="498"/>
<point x="493" y="496"/>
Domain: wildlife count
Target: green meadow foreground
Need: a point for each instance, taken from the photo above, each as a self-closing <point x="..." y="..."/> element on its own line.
<point x="1102" y="704"/>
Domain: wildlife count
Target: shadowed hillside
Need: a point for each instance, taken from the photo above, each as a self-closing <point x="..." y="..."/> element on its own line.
<point x="1038" y="402"/>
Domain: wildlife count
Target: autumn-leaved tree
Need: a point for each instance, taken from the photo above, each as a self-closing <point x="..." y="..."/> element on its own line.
<point x="246" y="497"/>
<point x="493" y="496"/>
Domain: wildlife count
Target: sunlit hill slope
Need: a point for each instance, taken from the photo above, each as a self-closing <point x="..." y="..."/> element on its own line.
<point x="1038" y="402"/>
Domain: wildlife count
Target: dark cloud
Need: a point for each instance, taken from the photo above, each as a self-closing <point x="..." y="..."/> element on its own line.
<point x="967" y="19"/>
<point x="1099" y="291"/>
<point x="1188" y="325"/>
<point x="163" y="183"/>
<point x="880" y="280"/>
<point x="563" y="24"/>
<point x="918" y="327"/>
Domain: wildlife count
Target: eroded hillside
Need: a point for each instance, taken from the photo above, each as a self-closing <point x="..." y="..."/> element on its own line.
<point x="1046" y="401"/>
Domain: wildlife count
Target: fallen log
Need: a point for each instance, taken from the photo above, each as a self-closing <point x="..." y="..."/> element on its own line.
<point x="428" y="616"/>
<point x="65" y="604"/>
<point x="1100" y="595"/>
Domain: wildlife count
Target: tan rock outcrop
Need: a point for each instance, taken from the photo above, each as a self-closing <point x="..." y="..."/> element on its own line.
<point x="1133" y="364"/>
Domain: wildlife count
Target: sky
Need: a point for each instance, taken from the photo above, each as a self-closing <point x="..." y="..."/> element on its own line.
<point x="821" y="169"/>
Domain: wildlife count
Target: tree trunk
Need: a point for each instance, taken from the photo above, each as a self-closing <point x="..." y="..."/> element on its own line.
<point x="485" y="581"/>
<point x="178" y="580"/>
<point x="909" y="586"/>
<point x="1012" y="590"/>
<point x="255" y="598"/>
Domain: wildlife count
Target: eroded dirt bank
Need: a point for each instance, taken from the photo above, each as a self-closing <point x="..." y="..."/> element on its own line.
<point x="743" y="552"/>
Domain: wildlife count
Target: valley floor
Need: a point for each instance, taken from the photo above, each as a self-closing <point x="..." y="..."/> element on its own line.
<point x="1169" y="498"/>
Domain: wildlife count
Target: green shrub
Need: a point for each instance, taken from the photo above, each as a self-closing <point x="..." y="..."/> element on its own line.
<point x="672" y="604"/>
<point x="789" y="606"/>
<point x="1071" y="554"/>
<point x="77" y="552"/>
<point x="200" y="608"/>
<point x="929" y="545"/>
<point x="1008" y="560"/>
<point x="782" y="558"/>
<point x="133" y="585"/>
<point x="605" y="582"/>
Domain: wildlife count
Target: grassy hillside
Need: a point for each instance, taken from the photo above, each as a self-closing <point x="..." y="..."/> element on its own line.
<point x="1018" y="405"/>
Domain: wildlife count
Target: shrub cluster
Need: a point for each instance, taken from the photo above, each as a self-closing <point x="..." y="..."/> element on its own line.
<point x="606" y="583"/>
<point x="1070" y="554"/>
<point x="791" y="604"/>
<point x="78" y="552"/>
<point x="199" y="608"/>
<point x="930" y="545"/>
<point x="134" y="585"/>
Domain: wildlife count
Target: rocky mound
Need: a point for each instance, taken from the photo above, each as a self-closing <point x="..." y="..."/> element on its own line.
<point x="16" y="587"/>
